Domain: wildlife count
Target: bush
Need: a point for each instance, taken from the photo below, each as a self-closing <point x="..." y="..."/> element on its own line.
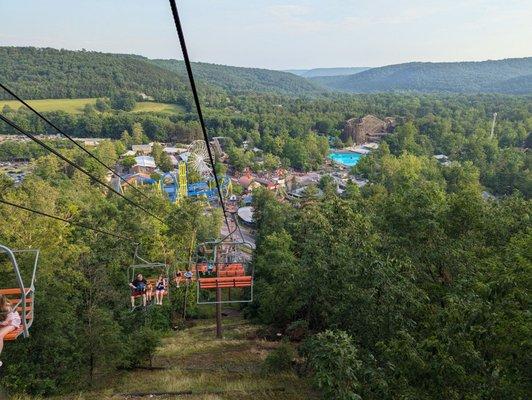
<point x="334" y="365"/>
<point x="143" y="344"/>
<point x="157" y="317"/>
<point x="103" y="104"/>
<point x="279" y="359"/>
<point x="297" y="330"/>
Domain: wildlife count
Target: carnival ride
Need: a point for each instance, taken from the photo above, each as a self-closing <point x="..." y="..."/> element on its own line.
<point x="177" y="186"/>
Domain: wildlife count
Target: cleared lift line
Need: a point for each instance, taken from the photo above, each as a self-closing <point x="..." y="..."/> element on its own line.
<point x="70" y="139"/>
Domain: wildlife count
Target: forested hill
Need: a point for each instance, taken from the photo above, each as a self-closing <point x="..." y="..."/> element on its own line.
<point x="502" y="76"/>
<point x="243" y="80"/>
<point x="41" y="73"/>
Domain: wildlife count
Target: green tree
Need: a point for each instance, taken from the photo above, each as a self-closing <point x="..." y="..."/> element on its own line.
<point x="123" y="100"/>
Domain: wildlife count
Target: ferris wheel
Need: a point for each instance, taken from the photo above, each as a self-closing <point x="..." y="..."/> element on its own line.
<point x="199" y="159"/>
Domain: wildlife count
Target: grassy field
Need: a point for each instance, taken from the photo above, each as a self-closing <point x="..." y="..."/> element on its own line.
<point x="75" y="106"/>
<point x="192" y="364"/>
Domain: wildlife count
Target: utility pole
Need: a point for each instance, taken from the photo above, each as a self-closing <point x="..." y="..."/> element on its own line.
<point x="219" y="332"/>
<point x="493" y="125"/>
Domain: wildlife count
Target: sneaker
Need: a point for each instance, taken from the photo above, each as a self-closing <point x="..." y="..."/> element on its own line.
<point x="1" y="363"/>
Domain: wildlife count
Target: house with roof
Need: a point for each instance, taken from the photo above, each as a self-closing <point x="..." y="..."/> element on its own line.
<point x="144" y="165"/>
<point x="144" y="149"/>
<point x="268" y="184"/>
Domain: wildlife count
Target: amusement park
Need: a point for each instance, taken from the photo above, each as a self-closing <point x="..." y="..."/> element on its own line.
<point x="273" y="216"/>
<point x="191" y="175"/>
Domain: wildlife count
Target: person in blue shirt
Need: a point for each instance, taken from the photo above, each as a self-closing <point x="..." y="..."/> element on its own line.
<point x="138" y="289"/>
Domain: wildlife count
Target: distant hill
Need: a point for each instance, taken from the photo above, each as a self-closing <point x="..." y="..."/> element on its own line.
<point x="44" y="73"/>
<point x="501" y="76"/>
<point x="311" y="73"/>
<point x="242" y="80"/>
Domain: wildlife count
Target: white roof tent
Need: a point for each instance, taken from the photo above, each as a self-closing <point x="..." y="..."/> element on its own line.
<point x="246" y="214"/>
<point x="145" y="161"/>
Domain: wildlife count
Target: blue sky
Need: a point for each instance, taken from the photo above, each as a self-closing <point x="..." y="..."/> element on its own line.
<point x="279" y="34"/>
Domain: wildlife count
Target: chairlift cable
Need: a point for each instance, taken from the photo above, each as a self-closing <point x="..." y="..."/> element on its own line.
<point x="188" y="65"/>
<point x="73" y="164"/>
<point x="71" y="139"/>
<point x="78" y="224"/>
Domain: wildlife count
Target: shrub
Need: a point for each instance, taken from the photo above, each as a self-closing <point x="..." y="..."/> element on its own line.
<point x="143" y="344"/>
<point x="332" y="359"/>
<point x="157" y="317"/>
<point x="297" y="330"/>
<point x="279" y="359"/>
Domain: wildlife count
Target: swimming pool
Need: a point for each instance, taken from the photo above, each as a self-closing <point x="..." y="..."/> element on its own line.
<point x="348" y="159"/>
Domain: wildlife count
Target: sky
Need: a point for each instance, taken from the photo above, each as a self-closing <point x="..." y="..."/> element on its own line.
<point x="279" y="34"/>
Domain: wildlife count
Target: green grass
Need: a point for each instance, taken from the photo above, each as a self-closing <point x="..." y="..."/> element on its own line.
<point x="75" y="106"/>
<point x="149" y="106"/>
<point x="211" y="369"/>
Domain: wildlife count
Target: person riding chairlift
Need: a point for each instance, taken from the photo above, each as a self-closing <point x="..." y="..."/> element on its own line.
<point x="9" y="320"/>
<point x="138" y="288"/>
<point x="188" y="276"/>
<point x="160" y="288"/>
<point x="210" y="268"/>
<point x="178" y="276"/>
<point x="149" y="292"/>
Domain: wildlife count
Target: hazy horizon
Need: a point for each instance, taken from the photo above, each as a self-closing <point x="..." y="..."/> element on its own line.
<point x="281" y="35"/>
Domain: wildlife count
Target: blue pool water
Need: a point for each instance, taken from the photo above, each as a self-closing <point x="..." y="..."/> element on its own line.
<point x="347" y="159"/>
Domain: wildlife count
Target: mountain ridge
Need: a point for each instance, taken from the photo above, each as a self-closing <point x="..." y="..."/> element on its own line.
<point x="335" y="71"/>
<point x="244" y="79"/>
<point x="40" y="73"/>
<point x="461" y="77"/>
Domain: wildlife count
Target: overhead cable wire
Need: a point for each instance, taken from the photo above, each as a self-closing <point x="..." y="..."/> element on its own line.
<point x="78" y="224"/>
<point x="70" y="138"/>
<point x="73" y="164"/>
<point x="188" y="65"/>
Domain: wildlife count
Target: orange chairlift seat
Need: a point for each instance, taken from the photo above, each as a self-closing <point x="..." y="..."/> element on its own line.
<point x="21" y="298"/>
<point x="228" y="273"/>
<point x="226" y="282"/>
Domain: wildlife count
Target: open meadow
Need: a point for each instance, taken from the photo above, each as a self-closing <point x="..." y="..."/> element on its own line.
<point x="76" y="106"/>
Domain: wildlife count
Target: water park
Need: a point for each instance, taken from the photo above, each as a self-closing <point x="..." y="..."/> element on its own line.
<point x="345" y="158"/>
<point x="349" y="157"/>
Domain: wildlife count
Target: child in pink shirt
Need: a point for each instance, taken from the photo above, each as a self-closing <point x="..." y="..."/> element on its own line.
<point x="9" y="320"/>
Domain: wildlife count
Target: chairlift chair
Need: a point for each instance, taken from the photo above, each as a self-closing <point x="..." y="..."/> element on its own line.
<point x="231" y="270"/>
<point x="143" y="265"/>
<point x="22" y="298"/>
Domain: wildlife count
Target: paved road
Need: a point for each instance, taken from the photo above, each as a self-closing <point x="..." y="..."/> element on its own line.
<point x="247" y="233"/>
